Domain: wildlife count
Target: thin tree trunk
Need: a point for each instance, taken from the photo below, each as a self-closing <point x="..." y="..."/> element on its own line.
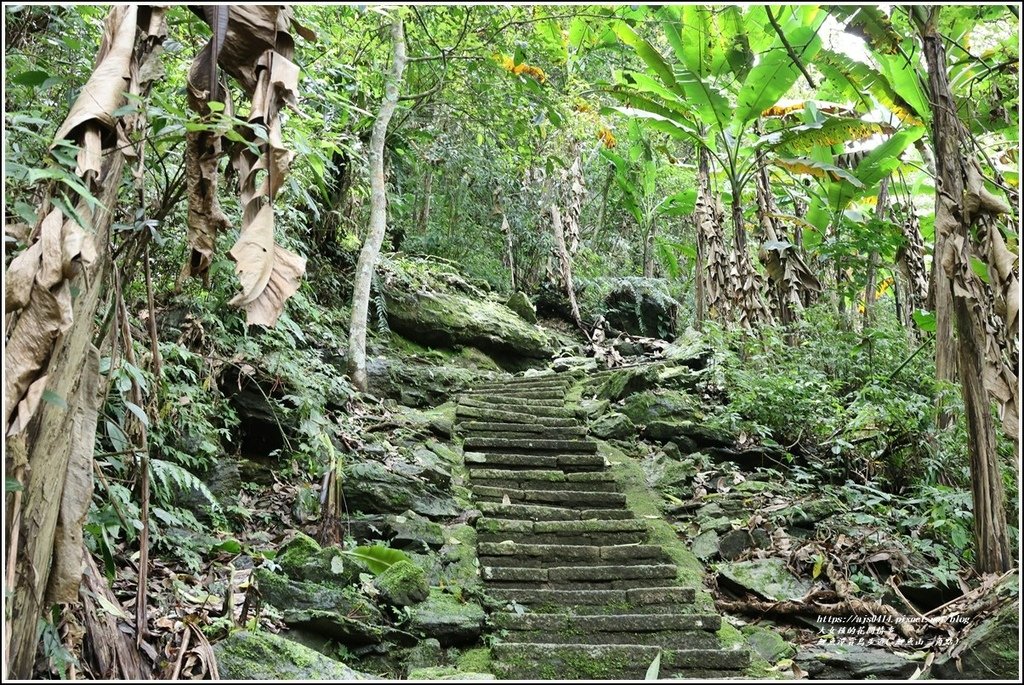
<point x="423" y="220"/>
<point x="954" y="218"/>
<point x="378" y="212"/>
<point x="50" y="444"/>
<point x="746" y="283"/>
<point x="565" y="264"/>
<point x="881" y="205"/>
<point x="649" y="235"/>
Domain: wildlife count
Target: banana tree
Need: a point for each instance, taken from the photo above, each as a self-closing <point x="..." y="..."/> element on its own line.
<point x="636" y="174"/>
<point x="711" y="91"/>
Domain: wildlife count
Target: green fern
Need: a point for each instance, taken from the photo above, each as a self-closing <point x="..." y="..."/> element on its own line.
<point x="381" y="306"/>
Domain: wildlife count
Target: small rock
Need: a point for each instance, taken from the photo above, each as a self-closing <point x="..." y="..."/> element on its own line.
<point x="521" y="305"/>
<point x="768" y="578"/>
<point x="450" y="621"/>
<point x="768" y="644"/>
<point x="737" y="542"/>
<point x="705" y="545"/>
<point x="592" y="409"/>
<point x="267" y="657"/>
<point x="853" y="662"/>
<point x="402" y="584"/>
<point x="613" y="425"/>
<point x="426" y="654"/>
<point x="412" y="531"/>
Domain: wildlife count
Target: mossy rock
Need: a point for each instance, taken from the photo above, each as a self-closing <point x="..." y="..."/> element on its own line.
<point x="267" y="657"/>
<point x="372" y="488"/>
<point x="447" y="673"/>
<point x="459" y="565"/>
<point x="991" y="649"/>
<point x="768" y="644"/>
<point x="667" y="405"/>
<point x="402" y="584"/>
<point x="613" y="425"/>
<point x="449" y="319"/>
<point x="768" y="578"/>
<point x="521" y="305"/>
<point x="412" y="531"/>
<point x="622" y="383"/>
<point x="443" y="617"/>
<point x="337" y="612"/>
<point x="304" y="559"/>
<point x="476" y="660"/>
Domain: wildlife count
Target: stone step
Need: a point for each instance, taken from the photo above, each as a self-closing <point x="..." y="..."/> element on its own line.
<point x="564" y="462"/>
<point x="534" y="410"/>
<point x="614" y="576"/>
<point x="553" y="661"/>
<point x="547" y="432"/>
<point x="512" y="486"/>
<point x="519" y="383"/>
<point x="489" y="413"/>
<point x="597" y="532"/>
<point x="520" y="445"/>
<point x="581" y="499"/>
<point x="546" y="479"/>
<point x="528" y="404"/>
<point x="546" y="416"/>
<point x="612" y="623"/>
<point x="559" y="555"/>
<point x="519" y="393"/>
<point x="636" y="601"/>
<point x="668" y="639"/>
<point x="539" y="512"/>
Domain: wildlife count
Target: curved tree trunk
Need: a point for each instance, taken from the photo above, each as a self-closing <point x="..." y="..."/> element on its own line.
<point x="378" y="213"/>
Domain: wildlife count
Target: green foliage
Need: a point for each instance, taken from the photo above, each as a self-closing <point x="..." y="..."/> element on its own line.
<point x="377" y="558"/>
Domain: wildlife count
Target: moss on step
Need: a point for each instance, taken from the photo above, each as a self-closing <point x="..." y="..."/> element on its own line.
<point x="447" y="673"/>
<point x="759" y="669"/>
<point x="646" y="504"/>
<point x="475" y="660"/>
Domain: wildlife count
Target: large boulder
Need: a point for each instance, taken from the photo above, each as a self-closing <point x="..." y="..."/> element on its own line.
<point x="663" y="405"/>
<point x="266" y="657"/>
<point x="853" y="662"/>
<point x="448" y="319"/>
<point x="521" y="305"/>
<point x="642" y="306"/>
<point x="372" y="487"/>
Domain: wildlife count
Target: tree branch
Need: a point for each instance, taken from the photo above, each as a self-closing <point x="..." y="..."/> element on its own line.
<point x="789" y="48"/>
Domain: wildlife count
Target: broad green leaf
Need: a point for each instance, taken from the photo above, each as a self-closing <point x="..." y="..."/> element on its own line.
<point x="905" y="79"/>
<point x="871" y="24"/>
<point x="806" y="165"/>
<point x="651" y="57"/>
<point x="774" y="75"/>
<point x="925" y="320"/>
<point x="138" y="411"/>
<point x="378" y="558"/>
<point x="858" y="80"/>
<point x="828" y="132"/>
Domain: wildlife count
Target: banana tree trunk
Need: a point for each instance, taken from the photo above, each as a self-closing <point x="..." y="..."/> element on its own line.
<point x="963" y="205"/>
<point x="49" y="350"/>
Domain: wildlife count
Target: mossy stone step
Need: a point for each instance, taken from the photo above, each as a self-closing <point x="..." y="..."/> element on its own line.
<point x="539" y="512"/>
<point x="525" y="393"/>
<point x="518" y="383"/>
<point x="511" y="483"/>
<point x="556" y="432"/>
<point x="560" y="498"/>
<point x="557" y="477"/>
<point x="635" y="601"/>
<point x="511" y="401"/>
<point x="558" y="555"/>
<point x="565" y="462"/>
<point x="590" y="532"/>
<point x="520" y="445"/>
<point x="528" y="407"/>
<point x="550" y="661"/>
<point x="571" y="575"/>
<point x="556" y="418"/>
<point x="613" y="623"/>
<point x="668" y="639"/>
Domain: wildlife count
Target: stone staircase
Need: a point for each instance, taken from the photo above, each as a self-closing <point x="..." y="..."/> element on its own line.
<point x="557" y="543"/>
